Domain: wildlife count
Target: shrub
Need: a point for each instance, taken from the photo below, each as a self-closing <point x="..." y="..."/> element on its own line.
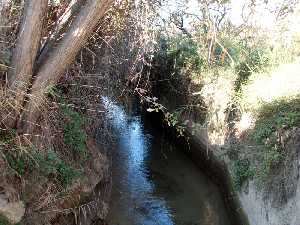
<point x="182" y="53"/>
<point x="51" y="164"/>
<point x="3" y="221"/>
<point x="241" y="173"/>
<point x="252" y="59"/>
<point x="47" y="165"/>
<point x="271" y="157"/>
<point x="17" y="163"/>
<point x="279" y="114"/>
<point x="273" y="119"/>
<point x="74" y="134"/>
<point x="67" y="174"/>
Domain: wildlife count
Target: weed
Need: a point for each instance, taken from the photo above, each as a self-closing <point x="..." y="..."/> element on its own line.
<point x="53" y="92"/>
<point x="3" y="221"/>
<point x="74" y="134"/>
<point x="20" y="163"/>
<point x="275" y="116"/>
<point x="270" y="158"/>
<point x="47" y="165"/>
<point x="16" y="163"/>
<point x="51" y="164"/>
<point x="183" y="53"/>
<point x="273" y="119"/>
<point x="241" y="173"/>
<point x="67" y="174"/>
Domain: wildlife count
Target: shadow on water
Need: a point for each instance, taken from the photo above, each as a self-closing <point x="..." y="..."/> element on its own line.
<point x="154" y="182"/>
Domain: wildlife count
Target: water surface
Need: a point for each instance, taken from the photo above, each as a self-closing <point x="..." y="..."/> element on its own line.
<point x="154" y="183"/>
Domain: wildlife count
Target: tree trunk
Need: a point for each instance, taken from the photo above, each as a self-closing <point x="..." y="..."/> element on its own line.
<point x="24" y="54"/>
<point x="60" y="58"/>
<point x="62" y="24"/>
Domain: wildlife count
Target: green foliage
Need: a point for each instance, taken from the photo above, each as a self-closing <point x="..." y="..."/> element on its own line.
<point x="226" y="52"/>
<point x="249" y="60"/>
<point x="74" y="134"/>
<point x="270" y="158"/>
<point x="259" y="58"/>
<point x="17" y="163"/>
<point x="186" y="58"/>
<point x="55" y="2"/>
<point x="53" y="92"/>
<point x="47" y="165"/>
<point x="241" y="173"/>
<point x="67" y="174"/>
<point x="51" y="164"/>
<point x="273" y="119"/>
<point x="280" y="114"/>
<point x="173" y="119"/>
<point x="183" y="54"/>
<point x="3" y="221"/>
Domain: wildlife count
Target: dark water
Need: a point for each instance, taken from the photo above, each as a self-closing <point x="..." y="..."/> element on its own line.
<point x="154" y="182"/>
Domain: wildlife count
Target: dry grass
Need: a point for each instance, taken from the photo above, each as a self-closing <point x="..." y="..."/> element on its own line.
<point x="114" y="54"/>
<point x="283" y="82"/>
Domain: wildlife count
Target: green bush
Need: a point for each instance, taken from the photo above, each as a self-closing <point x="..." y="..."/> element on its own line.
<point x="3" y="221"/>
<point x="182" y="53"/>
<point x="271" y="157"/>
<point x="51" y="164"/>
<point x="241" y="173"/>
<point x="47" y="165"/>
<point x="74" y="134"/>
<point x="280" y="114"/>
<point x="273" y="119"/>
<point x="67" y="174"/>
<point x="17" y="163"/>
<point x="255" y="59"/>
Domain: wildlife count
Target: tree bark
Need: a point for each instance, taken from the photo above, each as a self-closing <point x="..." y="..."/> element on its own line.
<point x="60" y="58"/>
<point x="24" y="54"/>
<point x="62" y="24"/>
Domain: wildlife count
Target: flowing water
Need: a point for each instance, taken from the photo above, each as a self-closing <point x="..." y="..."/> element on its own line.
<point x="154" y="183"/>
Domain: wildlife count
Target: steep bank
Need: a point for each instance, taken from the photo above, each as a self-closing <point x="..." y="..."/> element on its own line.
<point x="253" y="134"/>
<point x="203" y="156"/>
<point x="63" y="184"/>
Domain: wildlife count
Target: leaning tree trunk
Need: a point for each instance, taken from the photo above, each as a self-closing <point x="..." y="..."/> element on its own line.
<point x="24" y="54"/>
<point x="59" y="58"/>
<point x="65" y="19"/>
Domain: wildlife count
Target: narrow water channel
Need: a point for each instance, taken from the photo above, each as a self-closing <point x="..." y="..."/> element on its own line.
<point x="154" y="183"/>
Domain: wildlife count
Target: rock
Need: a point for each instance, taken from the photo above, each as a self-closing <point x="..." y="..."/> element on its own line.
<point x="97" y="168"/>
<point x="13" y="211"/>
<point x="10" y="207"/>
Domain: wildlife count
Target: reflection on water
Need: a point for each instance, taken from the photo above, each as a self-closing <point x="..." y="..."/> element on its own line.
<point x="155" y="183"/>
